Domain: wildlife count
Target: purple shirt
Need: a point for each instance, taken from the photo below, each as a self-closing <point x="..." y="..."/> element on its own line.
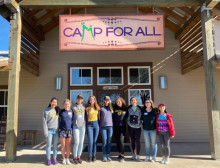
<point x="162" y="123"/>
<point x="106" y="117"/>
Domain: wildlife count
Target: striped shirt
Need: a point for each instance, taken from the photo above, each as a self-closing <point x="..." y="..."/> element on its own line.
<point x="162" y="123"/>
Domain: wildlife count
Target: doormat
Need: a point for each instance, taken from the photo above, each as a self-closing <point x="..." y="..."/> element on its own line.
<point x="113" y="148"/>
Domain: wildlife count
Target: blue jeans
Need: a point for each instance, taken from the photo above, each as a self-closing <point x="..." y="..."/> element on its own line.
<point x="106" y="139"/>
<point x="150" y="139"/>
<point x="93" y="132"/>
<point x="78" y="139"/>
<point x="52" y="138"/>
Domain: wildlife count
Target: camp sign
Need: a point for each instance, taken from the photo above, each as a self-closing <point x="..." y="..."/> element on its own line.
<point x="93" y="33"/>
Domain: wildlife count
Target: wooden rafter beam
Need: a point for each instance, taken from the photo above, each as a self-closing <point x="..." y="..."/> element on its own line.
<point x="172" y="14"/>
<point x="34" y="26"/>
<point x="3" y="63"/>
<point x="5" y="12"/>
<point x="192" y="21"/>
<point x="12" y="5"/>
<point x="211" y="3"/>
<point x="55" y="20"/>
<point x="49" y="14"/>
<point x="216" y="10"/>
<point x="108" y="3"/>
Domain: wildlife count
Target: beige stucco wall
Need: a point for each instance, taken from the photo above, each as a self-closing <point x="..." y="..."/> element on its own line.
<point x="185" y="96"/>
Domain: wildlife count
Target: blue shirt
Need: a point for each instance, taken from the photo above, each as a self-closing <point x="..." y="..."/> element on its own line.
<point x="66" y="120"/>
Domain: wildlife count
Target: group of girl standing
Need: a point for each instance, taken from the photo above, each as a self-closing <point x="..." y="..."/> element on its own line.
<point x="74" y="121"/>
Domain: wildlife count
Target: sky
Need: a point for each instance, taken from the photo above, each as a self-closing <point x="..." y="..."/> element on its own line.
<point x="4" y="33"/>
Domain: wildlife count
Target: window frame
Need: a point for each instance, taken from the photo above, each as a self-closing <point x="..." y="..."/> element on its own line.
<point x="138" y="89"/>
<point x="91" y="68"/>
<point x="138" y="67"/>
<point x="6" y="106"/>
<point x="80" y="90"/>
<point x="112" y="67"/>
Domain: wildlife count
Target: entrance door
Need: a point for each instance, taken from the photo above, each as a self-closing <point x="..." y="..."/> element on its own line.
<point x="113" y="94"/>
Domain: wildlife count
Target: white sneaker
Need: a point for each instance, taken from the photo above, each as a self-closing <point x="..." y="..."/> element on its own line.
<point x="64" y="161"/>
<point x="167" y="161"/>
<point x="138" y="158"/>
<point x="163" y="161"/>
<point x="153" y="159"/>
<point x="67" y="161"/>
<point x="147" y="159"/>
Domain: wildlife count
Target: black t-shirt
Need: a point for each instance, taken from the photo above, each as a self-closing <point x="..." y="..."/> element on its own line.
<point x="119" y="116"/>
<point x="66" y="120"/>
<point x="149" y="119"/>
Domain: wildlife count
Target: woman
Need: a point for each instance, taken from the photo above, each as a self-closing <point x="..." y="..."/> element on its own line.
<point x="165" y="131"/>
<point x="65" y="130"/>
<point x="78" y="129"/>
<point x="134" y="127"/>
<point x="107" y="127"/>
<point x="50" y="127"/>
<point x="149" y="113"/>
<point x="119" y="125"/>
<point x="92" y="113"/>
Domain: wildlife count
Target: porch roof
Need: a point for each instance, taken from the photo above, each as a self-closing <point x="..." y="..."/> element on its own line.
<point x="40" y="17"/>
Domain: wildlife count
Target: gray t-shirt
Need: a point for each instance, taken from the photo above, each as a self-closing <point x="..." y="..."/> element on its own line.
<point x="79" y="116"/>
<point x="50" y="120"/>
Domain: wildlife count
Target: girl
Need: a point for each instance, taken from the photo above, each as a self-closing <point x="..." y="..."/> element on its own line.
<point x="107" y="130"/>
<point x="92" y="112"/>
<point x="119" y="125"/>
<point x="149" y="114"/>
<point x="50" y="127"/>
<point x="78" y="129"/>
<point x="165" y="130"/>
<point x="65" y="130"/>
<point x="134" y="127"/>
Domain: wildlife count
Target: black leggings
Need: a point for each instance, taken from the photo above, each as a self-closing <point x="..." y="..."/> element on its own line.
<point x="135" y="135"/>
<point x="119" y="132"/>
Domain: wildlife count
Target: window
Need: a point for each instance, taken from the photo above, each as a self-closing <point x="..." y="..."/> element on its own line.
<point x="140" y="94"/>
<point x="110" y="75"/>
<point x="3" y="102"/>
<point x="139" y="75"/>
<point x="80" y="76"/>
<point x="85" y="93"/>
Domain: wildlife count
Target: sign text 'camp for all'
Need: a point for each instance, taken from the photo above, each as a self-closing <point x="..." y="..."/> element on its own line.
<point x="90" y="32"/>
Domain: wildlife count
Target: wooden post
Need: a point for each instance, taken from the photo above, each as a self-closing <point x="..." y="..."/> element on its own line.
<point x="211" y="83"/>
<point x="13" y="87"/>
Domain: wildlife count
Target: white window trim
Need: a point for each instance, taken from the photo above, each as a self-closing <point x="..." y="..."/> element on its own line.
<point x="139" y="83"/>
<point x="4" y="99"/>
<point x="137" y="89"/>
<point x="91" y="68"/>
<point x="80" y="90"/>
<point x="122" y="76"/>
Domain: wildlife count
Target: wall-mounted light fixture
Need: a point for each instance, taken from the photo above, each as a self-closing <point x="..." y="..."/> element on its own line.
<point x="163" y="82"/>
<point x="58" y="83"/>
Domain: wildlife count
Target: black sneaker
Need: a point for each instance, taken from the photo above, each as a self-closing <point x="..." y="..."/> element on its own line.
<point x="119" y="157"/>
<point x="89" y="159"/>
<point x="79" y="160"/>
<point x="75" y="161"/>
<point x="93" y="158"/>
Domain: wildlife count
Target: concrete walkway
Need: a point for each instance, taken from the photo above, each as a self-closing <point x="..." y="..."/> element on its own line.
<point x="183" y="155"/>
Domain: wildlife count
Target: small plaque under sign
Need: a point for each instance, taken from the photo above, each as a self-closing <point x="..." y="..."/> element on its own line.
<point x="110" y="87"/>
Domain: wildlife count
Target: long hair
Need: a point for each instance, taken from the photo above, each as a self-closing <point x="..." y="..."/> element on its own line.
<point x="57" y="107"/>
<point x="96" y="106"/>
<point x="123" y="102"/>
<point x="151" y="102"/>
<point x="110" y="106"/>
